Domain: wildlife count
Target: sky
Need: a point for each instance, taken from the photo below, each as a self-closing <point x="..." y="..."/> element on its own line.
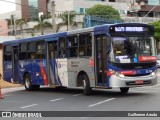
<point x="7" y="7"/>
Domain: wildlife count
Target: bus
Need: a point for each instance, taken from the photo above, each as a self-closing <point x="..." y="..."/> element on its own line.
<point x="106" y="56"/>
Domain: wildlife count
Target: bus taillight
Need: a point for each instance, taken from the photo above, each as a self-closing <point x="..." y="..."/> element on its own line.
<point x="91" y="63"/>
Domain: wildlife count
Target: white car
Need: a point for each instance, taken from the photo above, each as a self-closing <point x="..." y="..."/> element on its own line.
<point x="158" y="61"/>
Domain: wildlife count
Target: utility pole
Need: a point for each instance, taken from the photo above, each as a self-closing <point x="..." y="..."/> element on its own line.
<point x="53" y="16"/>
<point x="68" y="21"/>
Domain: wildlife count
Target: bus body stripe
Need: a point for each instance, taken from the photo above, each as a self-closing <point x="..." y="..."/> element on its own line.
<point x="43" y="74"/>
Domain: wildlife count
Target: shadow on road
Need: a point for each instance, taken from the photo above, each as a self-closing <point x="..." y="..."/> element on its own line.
<point x="99" y="92"/>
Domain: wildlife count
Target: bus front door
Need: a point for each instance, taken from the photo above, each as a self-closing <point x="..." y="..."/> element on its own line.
<point x="101" y="59"/>
<point x="52" y="71"/>
<point x="15" y="64"/>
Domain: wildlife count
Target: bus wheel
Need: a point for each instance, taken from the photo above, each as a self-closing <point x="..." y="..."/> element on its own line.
<point x="124" y="89"/>
<point x="87" y="90"/>
<point x="36" y="87"/>
<point x="27" y="83"/>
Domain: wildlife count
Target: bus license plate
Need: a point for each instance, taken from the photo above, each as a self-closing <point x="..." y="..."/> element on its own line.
<point x="139" y="82"/>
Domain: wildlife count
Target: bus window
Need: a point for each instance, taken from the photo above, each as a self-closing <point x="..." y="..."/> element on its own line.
<point x="32" y="46"/>
<point x="85" y="44"/>
<point x="40" y="50"/>
<point x="23" y="51"/>
<point x="62" y="47"/>
<point x="7" y="56"/>
<point x="53" y="50"/>
<point x="7" y="53"/>
<point x="72" y="47"/>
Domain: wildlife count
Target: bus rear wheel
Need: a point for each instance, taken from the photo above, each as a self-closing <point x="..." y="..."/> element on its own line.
<point x="27" y="83"/>
<point x="124" y="89"/>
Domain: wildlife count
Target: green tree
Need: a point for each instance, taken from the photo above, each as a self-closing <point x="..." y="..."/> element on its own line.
<point x="104" y="11"/>
<point x="156" y="30"/>
<point x="42" y="24"/>
<point x="20" y="23"/>
<point x="67" y="15"/>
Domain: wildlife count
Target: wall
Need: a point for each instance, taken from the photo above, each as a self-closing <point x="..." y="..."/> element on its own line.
<point x="3" y="28"/>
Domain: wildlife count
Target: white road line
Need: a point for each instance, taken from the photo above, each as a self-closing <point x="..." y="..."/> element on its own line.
<point x="137" y="91"/>
<point x="101" y="102"/>
<point x="56" y="99"/>
<point x="77" y="95"/>
<point x="29" y="106"/>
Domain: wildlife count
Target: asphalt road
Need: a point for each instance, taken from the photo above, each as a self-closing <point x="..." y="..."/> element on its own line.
<point x="51" y="99"/>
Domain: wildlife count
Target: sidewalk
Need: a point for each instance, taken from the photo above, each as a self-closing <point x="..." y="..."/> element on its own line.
<point x="5" y="84"/>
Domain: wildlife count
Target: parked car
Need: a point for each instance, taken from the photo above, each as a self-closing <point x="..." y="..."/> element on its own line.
<point x="158" y="61"/>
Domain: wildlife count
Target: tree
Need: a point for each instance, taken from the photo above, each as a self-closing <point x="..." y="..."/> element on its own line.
<point x="104" y="11"/>
<point x="156" y="30"/>
<point x="41" y="24"/>
<point x="20" y="23"/>
<point x="67" y="15"/>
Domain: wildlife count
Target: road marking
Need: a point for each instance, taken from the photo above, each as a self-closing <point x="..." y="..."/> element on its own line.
<point x="101" y="102"/>
<point x="155" y="85"/>
<point x="137" y="91"/>
<point x="29" y="106"/>
<point x="77" y="95"/>
<point x="56" y="99"/>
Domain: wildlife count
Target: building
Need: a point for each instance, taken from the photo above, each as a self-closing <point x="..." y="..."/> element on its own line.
<point x="31" y="8"/>
<point x="3" y="28"/>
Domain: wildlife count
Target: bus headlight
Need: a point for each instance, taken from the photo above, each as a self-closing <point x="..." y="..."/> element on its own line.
<point x="121" y="75"/>
<point x="153" y="73"/>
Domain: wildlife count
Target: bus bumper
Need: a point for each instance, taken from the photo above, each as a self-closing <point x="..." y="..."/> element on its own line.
<point x="116" y="81"/>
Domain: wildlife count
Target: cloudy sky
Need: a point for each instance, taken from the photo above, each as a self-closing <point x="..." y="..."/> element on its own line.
<point x="6" y="6"/>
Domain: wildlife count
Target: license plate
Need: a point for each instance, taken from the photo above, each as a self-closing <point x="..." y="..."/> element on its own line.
<point x="139" y="82"/>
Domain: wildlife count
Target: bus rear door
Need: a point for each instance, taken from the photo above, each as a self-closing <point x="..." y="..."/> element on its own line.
<point x="52" y="71"/>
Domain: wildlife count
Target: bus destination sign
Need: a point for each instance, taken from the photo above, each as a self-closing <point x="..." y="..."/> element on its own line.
<point x="129" y="29"/>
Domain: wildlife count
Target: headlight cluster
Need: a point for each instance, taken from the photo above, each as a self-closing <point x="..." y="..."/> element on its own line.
<point x="153" y="73"/>
<point x="117" y="73"/>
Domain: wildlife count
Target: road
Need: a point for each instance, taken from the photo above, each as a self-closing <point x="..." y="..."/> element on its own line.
<point x="51" y="99"/>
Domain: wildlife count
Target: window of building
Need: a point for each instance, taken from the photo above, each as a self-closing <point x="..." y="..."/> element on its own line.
<point x="72" y="48"/>
<point x="85" y="44"/>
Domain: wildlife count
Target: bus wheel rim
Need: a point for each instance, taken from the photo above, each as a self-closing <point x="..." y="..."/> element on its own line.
<point x="84" y="83"/>
<point x="27" y="83"/>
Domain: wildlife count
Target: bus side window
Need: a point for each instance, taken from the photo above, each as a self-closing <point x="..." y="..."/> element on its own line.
<point x="72" y="46"/>
<point x="62" y="47"/>
<point x="53" y="50"/>
<point x="85" y="44"/>
<point x="7" y="53"/>
<point x="23" y="51"/>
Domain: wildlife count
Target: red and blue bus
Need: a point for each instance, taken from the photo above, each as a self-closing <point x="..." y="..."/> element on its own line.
<point x="107" y="56"/>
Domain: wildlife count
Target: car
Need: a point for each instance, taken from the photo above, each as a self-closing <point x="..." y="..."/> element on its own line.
<point x="158" y="61"/>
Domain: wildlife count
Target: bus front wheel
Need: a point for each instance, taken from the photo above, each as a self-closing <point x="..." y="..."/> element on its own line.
<point x="124" y="89"/>
<point x="87" y="90"/>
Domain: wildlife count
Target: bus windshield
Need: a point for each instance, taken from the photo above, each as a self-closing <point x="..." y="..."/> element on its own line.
<point x="128" y="49"/>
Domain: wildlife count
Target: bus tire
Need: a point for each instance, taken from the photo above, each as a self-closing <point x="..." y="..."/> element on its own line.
<point x="36" y="87"/>
<point x="27" y="83"/>
<point x="124" y="89"/>
<point x="87" y="90"/>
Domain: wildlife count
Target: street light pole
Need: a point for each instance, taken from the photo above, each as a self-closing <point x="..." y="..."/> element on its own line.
<point x="53" y="16"/>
